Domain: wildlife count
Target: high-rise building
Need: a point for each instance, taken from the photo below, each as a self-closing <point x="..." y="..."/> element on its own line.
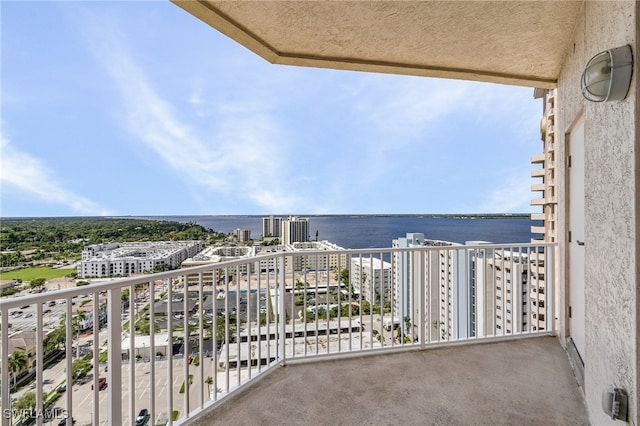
<point x="547" y="186"/>
<point x="409" y="268"/>
<point x="470" y="291"/>
<point x="271" y="226"/>
<point x="544" y="172"/>
<point x="242" y="235"/>
<point x="295" y="229"/>
<point x="371" y="277"/>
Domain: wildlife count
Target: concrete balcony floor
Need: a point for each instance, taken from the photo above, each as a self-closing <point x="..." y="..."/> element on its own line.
<point x="517" y="382"/>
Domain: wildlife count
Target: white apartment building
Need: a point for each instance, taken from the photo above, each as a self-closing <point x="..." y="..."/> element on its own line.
<point x="317" y="262"/>
<point x="270" y="264"/>
<point x="296" y="260"/>
<point x="216" y="255"/>
<point x="295" y="229"/>
<point x="371" y="277"/>
<point x="407" y="271"/>
<point x="123" y="259"/>
<point x="464" y="280"/>
<point x="500" y="288"/>
<point x="271" y="226"/>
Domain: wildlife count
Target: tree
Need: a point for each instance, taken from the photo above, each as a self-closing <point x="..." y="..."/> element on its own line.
<point x="26" y="402"/>
<point x="221" y="332"/>
<point x="344" y="279"/>
<point x="209" y="382"/>
<point x="37" y="282"/>
<point x="17" y="361"/>
<point x="55" y="339"/>
<point x="77" y="321"/>
<point x="79" y="367"/>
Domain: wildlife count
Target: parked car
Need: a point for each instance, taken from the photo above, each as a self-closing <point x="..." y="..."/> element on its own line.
<point x="102" y="383"/>
<point x="143" y="417"/>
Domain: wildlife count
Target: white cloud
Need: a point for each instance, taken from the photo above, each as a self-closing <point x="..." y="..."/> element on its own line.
<point x="240" y="158"/>
<point x="512" y="194"/>
<point x="33" y="178"/>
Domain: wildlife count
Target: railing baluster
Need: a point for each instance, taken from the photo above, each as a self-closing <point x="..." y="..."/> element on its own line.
<point x="281" y="309"/>
<point x="170" y="357"/>
<point x="214" y="332"/>
<point x="39" y="361"/>
<point x="152" y="350"/>
<point x="96" y="355"/>
<point x="114" y="348"/>
<point x="186" y="343"/>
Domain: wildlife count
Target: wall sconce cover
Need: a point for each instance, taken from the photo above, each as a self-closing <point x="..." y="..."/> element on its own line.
<point x="615" y="403"/>
<point x="607" y="76"/>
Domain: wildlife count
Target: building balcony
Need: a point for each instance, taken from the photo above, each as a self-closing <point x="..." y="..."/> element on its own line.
<point x="538" y="216"/>
<point x="537" y="229"/>
<point x="538" y="187"/>
<point x="219" y="347"/>
<point x="536" y="173"/>
<point x="538" y="158"/>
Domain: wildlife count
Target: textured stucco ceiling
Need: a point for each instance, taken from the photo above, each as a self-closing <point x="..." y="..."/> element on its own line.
<point x="513" y="42"/>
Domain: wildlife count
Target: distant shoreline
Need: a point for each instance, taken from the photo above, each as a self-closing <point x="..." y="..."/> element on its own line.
<point x="426" y="215"/>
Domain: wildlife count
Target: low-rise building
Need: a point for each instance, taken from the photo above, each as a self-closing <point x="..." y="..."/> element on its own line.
<point x="123" y="259"/>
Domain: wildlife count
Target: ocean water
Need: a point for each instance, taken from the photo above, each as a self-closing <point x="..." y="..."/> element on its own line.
<point x="368" y="231"/>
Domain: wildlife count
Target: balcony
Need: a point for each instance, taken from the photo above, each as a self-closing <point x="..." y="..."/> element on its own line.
<point x="538" y="158"/>
<point x="537" y="230"/>
<point x="401" y="352"/>
<point x="538" y="216"/>
<point x="538" y="187"/>
<point x="535" y="173"/>
<point x="522" y="381"/>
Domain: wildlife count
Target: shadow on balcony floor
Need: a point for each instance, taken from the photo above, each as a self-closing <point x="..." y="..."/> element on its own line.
<point x="518" y="382"/>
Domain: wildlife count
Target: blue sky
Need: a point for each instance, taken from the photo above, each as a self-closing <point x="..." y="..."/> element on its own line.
<point x="137" y="108"/>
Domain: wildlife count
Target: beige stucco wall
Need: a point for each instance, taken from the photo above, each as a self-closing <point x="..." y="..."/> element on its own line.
<point x="611" y="207"/>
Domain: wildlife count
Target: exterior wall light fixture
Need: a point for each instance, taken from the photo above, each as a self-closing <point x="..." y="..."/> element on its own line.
<point x="607" y="76"/>
<point x="615" y="403"/>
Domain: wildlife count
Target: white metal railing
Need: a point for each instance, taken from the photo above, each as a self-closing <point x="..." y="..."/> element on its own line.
<point x="177" y="342"/>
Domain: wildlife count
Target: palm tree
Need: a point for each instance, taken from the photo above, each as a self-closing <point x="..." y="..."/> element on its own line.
<point x="209" y="382"/>
<point x="17" y="361"/>
<point x="54" y="340"/>
<point x="77" y="320"/>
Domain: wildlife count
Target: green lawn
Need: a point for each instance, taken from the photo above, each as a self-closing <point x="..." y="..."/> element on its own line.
<point x="28" y="274"/>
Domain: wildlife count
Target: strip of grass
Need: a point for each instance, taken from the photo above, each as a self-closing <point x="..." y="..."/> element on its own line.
<point x="28" y="274"/>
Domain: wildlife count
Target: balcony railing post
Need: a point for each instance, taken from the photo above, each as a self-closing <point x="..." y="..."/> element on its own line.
<point x="39" y="363"/>
<point x="6" y="386"/>
<point x="282" y="321"/>
<point x="114" y="354"/>
<point x="549" y="275"/>
<point x="422" y="317"/>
